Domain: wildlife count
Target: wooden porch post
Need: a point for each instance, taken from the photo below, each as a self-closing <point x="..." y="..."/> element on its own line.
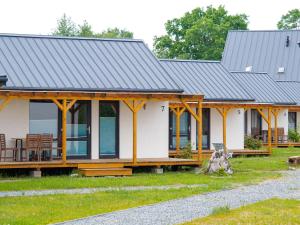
<point x="178" y="112"/>
<point x="198" y="118"/>
<point x="64" y="107"/>
<point x="200" y="130"/>
<point x="223" y="112"/>
<point x="275" y="113"/>
<point x="134" y="106"/>
<point x="268" y="121"/>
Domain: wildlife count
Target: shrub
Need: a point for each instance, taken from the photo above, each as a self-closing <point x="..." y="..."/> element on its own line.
<point x="186" y="152"/>
<point x="294" y="136"/>
<point x="252" y="143"/>
<point x="220" y="210"/>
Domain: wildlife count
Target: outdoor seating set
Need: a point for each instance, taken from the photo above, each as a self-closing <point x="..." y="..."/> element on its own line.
<point x="37" y="147"/>
<point x="281" y="137"/>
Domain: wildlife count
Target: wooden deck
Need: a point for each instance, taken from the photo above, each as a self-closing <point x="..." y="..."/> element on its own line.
<point x="285" y="145"/>
<point x="99" y="163"/>
<point x="237" y="152"/>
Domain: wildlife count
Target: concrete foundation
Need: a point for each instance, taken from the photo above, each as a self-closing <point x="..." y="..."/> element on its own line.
<point x="157" y="170"/>
<point x="36" y="173"/>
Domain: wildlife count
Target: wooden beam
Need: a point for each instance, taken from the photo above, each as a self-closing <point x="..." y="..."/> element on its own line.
<point x="263" y="115"/>
<point x="223" y="112"/>
<point x="275" y="114"/>
<point x="135" y="106"/>
<point x="200" y="129"/>
<point x="269" y="130"/>
<point x="64" y="131"/>
<point x="59" y="105"/>
<point x="5" y="102"/>
<point x="187" y="106"/>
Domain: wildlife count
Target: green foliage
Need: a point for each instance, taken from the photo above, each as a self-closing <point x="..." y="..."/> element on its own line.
<point x="293" y="135"/>
<point x="252" y="143"/>
<point x="115" y="33"/>
<point x="66" y="27"/>
<point x="186" y="152"/>
<point x="199" y="34"/>
<point x="290" y="20"/>
<point x="220" y="210"/>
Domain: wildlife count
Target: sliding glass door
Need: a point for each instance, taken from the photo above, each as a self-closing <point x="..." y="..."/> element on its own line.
<point x="109" y="129"/>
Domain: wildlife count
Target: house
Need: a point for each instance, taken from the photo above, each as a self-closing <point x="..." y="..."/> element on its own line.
<point x="104" y="100"/>
<point x="275" y="52"/>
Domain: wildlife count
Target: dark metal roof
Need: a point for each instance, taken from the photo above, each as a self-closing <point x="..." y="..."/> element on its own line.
<point x="265" y="51"/>
<point x="292" y="88"/>
<point x="262" y="88"/>
<point x="63" y="63"/>
<point x="207" y="77"/>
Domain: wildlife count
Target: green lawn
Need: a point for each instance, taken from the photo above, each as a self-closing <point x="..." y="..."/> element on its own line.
<point x="48" y="209"/>
<point x="274" y="211"/>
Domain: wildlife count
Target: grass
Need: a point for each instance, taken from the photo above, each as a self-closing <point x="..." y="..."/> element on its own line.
<point x="273" y="211"/>
<point x="50" y="209"/>
<point x="220" y="210"/>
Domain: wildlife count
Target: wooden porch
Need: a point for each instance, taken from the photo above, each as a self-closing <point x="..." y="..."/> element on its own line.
<point x="101" y="163"/>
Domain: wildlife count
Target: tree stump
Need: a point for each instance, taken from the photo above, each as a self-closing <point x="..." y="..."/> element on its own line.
<point x="219" y="160"/>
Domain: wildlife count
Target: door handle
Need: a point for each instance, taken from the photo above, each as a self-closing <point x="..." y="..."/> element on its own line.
<point x="89" y="129"/>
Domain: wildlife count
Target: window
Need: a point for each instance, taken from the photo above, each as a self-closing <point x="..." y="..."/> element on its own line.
<point x="292" y="121"/>
<point x="246" y="123"/>
<point x="185" y="134"/>
<point x="256" y="123"/>
<point x="43" y="118"/>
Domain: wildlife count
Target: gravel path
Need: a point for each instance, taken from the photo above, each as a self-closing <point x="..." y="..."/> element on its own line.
<point x="92" y="190"/>
<point x="186" y="209"/>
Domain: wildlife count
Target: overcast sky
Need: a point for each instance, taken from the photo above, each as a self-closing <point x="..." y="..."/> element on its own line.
<point x="145" y="18"/>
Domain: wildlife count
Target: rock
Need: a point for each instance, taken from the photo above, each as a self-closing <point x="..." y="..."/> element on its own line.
<point x="219" y="161"/>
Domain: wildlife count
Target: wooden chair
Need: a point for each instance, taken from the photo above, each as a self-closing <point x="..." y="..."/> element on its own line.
<point x="283" y="138"/>
<point x="33" y="146"/>
<point x="46" y="145"/>
<point x="5" y="150"/>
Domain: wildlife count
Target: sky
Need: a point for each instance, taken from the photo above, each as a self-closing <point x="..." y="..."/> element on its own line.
<point x="145" y="18"/>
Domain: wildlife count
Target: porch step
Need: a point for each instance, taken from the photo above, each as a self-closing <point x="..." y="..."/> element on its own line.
<point x="96" y="172"/>
<point x="100" y="165"/>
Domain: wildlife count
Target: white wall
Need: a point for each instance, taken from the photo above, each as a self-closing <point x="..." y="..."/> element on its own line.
<point x="14" y="120"/>
<point x="235" y="129"/>
<point x="153" y="132"/>
<point x="298" y="121"/>
<point x="95" y="129"/>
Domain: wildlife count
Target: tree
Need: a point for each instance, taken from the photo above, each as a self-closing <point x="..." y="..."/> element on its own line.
<point x="85" y="30"/>
<point x="291" y="20"/>
<point x="65" y="27"/>
<point x="199" y="34"/>
<point x="115" y="33"/>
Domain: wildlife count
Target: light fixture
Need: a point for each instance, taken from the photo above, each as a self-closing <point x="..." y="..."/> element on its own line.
<point x="162" y="108"/>
<point x="239" y="111"/>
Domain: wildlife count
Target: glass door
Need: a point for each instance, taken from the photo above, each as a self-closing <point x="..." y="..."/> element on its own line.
<point x="256" y="123"/>
<point x="185" y="131"/>
<point x="205" y="130"/>
<point x="109" y="129"/>
<point x="79" y="130"/>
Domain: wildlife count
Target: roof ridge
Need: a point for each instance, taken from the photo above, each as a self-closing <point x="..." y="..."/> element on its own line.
<point x="249" y="72"/>
<point x="191" y="60"/>
<point x="69" y="38"/>
<point x="264" y="30"/>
